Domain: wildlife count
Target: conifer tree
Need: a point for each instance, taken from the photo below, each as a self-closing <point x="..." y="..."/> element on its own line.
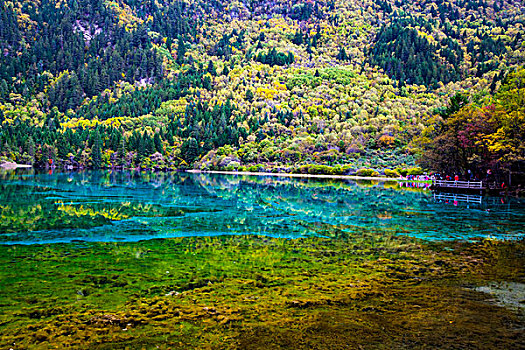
<point x="121" y="152"/>
<point x="158" y="143"/>
<point x="181" y="50"/>
<point x="96" y="154"/>
<point x="249" y="95"/>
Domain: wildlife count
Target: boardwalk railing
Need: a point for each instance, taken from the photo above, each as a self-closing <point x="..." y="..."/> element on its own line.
<point x="458" y="198"/>
<point x="458" y="184"/>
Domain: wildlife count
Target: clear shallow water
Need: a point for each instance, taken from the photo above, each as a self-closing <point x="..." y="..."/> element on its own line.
<point x="123" y="206"/>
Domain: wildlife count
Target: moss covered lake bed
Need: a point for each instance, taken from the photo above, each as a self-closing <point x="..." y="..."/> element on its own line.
<point x="346" y="287"/>
<point x="252" y="292"/>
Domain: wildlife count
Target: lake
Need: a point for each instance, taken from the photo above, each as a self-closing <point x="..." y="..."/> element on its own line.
<point x="123" y="206"/>
<point x="105" y="260"/>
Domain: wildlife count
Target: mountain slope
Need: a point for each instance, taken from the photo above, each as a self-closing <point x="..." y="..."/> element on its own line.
<point x="267" y="84"/>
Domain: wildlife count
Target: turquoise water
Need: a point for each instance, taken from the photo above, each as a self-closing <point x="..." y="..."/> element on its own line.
<point x="124" y="206"/>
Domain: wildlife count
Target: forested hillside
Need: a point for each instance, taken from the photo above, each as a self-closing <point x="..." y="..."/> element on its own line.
<point x="305" y="86"/>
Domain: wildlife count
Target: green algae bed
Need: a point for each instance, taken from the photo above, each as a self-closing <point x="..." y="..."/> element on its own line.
<point x="364" y="291"/>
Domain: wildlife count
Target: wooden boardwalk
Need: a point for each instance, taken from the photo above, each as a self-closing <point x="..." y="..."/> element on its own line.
<point x="459" y="186"/>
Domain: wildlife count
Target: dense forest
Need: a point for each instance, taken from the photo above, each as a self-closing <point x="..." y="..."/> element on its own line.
<point x="328" y="86"/>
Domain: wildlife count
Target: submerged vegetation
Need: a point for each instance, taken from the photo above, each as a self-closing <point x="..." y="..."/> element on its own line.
<point x="247" y="292"/>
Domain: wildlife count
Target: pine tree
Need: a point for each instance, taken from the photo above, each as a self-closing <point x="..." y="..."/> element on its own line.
<point x="181" y="51"/>
<point x="249" y="95"/>
<point x="206" y="82"/>
<point x="121" y="152"/>
<point x="158" y="143"/>
<point x="190" y="150"/>
<point x="342" y="54"/>
<point x="96" y="155"/>
<point x="211" y="68"/>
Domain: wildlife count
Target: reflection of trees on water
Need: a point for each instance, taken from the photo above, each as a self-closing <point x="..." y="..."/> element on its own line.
<point x="133" y="205"/>
<point x="317" y="205"/>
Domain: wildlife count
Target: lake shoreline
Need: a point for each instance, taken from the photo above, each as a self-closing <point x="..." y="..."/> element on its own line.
<point x="12" y="165"/>
<point x="314" y="176"/>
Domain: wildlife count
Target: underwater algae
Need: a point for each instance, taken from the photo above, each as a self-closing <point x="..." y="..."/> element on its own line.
<point x="363" y="291"/>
